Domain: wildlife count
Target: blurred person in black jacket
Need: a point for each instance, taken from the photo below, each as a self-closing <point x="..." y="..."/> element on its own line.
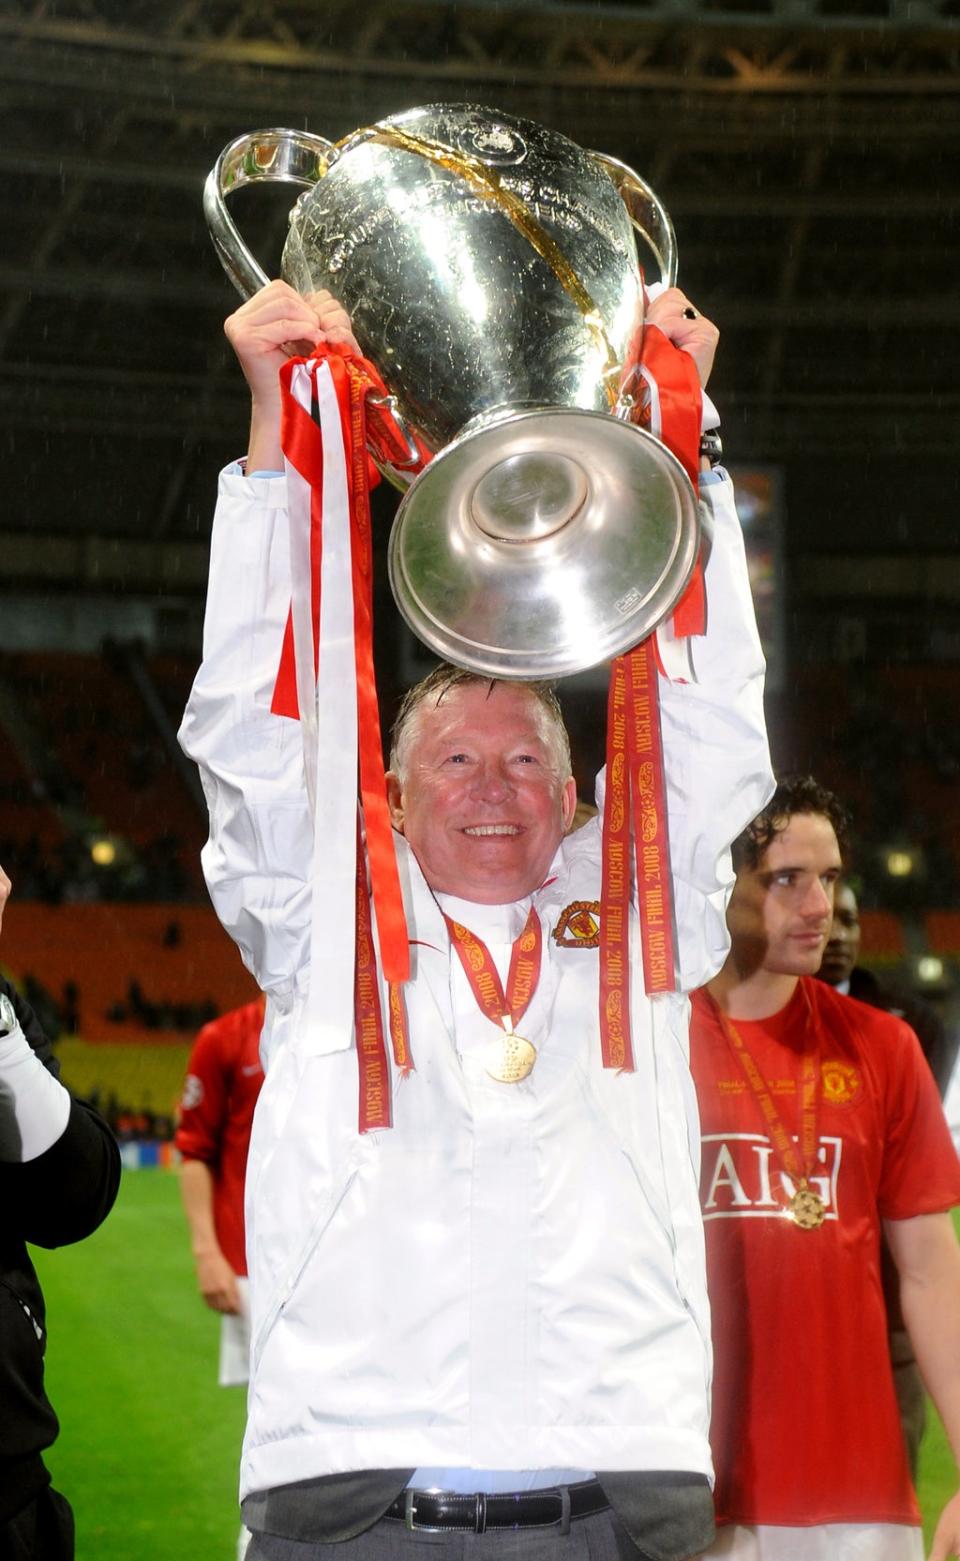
<point x="839" y="969"/>
<point x="59" y="1174"/>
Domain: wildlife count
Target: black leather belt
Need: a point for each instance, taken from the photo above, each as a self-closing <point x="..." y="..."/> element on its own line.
<point x="475" y="1513"/>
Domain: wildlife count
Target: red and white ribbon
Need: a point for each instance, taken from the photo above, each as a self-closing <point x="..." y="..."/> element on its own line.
<point x="635" y="803"/>
<point x="327" y="679"/>
<point x="326" y="683"/>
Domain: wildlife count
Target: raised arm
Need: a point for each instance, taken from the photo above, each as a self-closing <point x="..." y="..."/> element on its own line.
<point x="716" y="757"/>
<point x="257" y="858"/>
<point x="270" y="327"/>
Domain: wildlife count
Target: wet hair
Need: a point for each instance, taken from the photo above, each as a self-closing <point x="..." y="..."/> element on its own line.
<point x="794" y="794"/>
<point x="432" y="690"/>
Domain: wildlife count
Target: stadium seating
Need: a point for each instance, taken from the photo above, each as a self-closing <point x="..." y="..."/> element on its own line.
<point x="177" y="956"/>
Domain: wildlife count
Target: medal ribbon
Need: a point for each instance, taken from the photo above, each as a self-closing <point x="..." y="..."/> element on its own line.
<point x="672" y="411"/>
<point x="484" y="978"/>
<point x="374" y="1073"/>
<point x="798" y="1166"/>
<point x="391" y="920"/>
<point x="635" y="785"/>
<point x="615" y="1045"/>
<point x="635" y="793"/>
<point x="352" y="379"/>
<point x="322" y="612"/>
<point x="651" y="838"/>
<point x="372" y="1067"/>
<point x="330" y="637"/>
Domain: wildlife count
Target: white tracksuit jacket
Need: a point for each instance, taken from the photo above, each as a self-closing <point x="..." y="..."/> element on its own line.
<point x="512" y="1276"/>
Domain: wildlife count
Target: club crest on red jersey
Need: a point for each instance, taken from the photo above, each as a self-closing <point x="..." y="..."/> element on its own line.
<point x="579" y="925"/>
<point x="841" y="1083"/>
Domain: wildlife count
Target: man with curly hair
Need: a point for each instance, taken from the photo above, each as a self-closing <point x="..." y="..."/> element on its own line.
<point x="822" y="1131"/>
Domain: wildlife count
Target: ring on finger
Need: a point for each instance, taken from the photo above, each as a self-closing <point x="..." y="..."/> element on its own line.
<point x="690" y="313"/>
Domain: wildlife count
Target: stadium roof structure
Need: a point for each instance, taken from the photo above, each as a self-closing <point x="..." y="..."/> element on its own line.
<point x="806" y="149"/>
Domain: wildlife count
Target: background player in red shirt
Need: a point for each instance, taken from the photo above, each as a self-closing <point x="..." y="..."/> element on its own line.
<point x="224" y="1075"/>
<point x="821" y="1127"/>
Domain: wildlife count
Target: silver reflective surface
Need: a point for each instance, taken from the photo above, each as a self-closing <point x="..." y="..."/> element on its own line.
<point x="449" y="298"/>
<point x="259" y="157"/>
<point x="490" y="269"/>
<point x="612" y="548"/>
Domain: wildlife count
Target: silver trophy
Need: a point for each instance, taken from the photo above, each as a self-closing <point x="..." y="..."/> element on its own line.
<point x="490" y="268"/>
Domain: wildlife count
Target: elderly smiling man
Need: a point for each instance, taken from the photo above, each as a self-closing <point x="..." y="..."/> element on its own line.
<point x="480" y="784"/>
<point x="483" y="1328"/>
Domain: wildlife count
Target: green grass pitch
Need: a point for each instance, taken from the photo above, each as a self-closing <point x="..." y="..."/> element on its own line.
<point x="149" y="1444"/>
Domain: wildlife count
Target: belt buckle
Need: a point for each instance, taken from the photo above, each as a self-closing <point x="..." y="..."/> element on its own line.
<point x="410" y="1515"/>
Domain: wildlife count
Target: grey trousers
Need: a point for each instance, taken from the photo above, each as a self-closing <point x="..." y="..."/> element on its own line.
<point x="597" y="1538"/>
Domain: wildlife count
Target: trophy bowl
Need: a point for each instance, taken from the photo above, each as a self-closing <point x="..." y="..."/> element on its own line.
<point x="490" y="268"/>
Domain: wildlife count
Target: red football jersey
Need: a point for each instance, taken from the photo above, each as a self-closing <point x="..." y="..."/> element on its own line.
<point x="805" y="1427"/>
<point x="220" y="1092"/>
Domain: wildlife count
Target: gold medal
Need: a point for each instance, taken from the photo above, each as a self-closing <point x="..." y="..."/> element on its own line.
<point x="806" y="1208"/>
<point x="510" y="1057"/>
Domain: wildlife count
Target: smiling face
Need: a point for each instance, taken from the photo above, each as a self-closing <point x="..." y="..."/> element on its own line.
<point x="482" y="797"/>
<point x="781" y="910"/>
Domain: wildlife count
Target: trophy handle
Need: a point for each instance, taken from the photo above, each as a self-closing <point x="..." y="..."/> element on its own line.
<point x="647" y="213"/>
<point x="260" y="156"/>
<point x="286" y="157"/>
<point x="400" y="472"/>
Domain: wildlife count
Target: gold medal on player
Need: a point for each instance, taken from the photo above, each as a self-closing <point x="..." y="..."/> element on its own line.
<point x="509" y="1057"/>
<point x="806" y="1207"/>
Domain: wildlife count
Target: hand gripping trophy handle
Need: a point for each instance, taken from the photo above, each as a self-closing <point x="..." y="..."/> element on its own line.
<point x="281" y="157"/>
<point x="652" y="222"/>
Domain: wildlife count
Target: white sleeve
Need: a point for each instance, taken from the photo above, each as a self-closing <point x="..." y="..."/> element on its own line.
<point x="257" y="859"/>
<point x="716" y="757"/>
<point x="34" y="1106"/>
